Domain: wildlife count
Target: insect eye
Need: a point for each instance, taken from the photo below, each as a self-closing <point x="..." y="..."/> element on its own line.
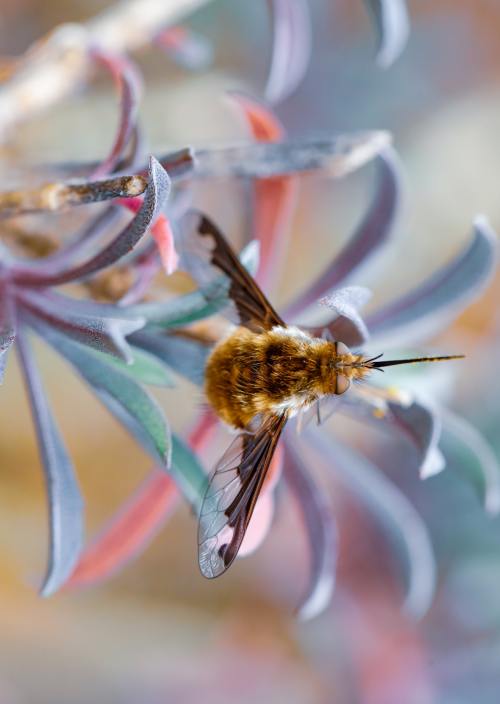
<point x="342" y="349"/>
<point x="342" y="383"/>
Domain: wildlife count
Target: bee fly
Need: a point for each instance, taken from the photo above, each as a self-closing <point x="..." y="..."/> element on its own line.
<point x="257" y="378"/>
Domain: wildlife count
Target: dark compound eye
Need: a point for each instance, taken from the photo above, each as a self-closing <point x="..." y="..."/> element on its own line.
<point x="342" y="383"/>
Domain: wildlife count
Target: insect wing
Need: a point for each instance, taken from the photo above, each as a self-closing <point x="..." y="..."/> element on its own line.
<point x="206" y="254"/>
<point x="232" y="494"/>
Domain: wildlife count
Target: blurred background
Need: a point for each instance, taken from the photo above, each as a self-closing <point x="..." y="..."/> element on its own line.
<point x="158" y="632"/>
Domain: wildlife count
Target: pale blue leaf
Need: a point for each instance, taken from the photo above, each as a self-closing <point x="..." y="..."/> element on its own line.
<point x="321" y="530"/>
<point x="393" y="27"/>
<point x="125" y="398"/>
<point x="422" y="312"/>
<point x="65" y="501"/>
<point x="291" y="48"/>
<point x="390" y="506"/>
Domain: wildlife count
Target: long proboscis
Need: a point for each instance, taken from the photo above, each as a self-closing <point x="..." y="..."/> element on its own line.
<point x="413" y="360"/>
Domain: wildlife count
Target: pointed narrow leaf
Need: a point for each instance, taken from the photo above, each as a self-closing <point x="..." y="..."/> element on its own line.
<point x="128" y="82"/>
<point x="423" y="311"/>
<point x="129" y="532"/>
<point x="274" y="198"/>
<point x="86" y="322"/>
<point x="65" y="501"/>
<point x="291" y="48"/>
<point x="133" y="407"/>
<point x="423" y="427"/>
<point x="393" y="27"/>
<point x="144" y="367"/>
<point x="319" y="524"/>
<point x="338" y="155"/>
<point x="392" y="508"/>
<point x="7" y="324"/>
<point x="184" y="355"/>
<point x="155" y="196"/>
<point x="133" y="527"/>
<point x="374" y="231"/>
<point x="162" y="234"/>
<point x="478" y="461"/>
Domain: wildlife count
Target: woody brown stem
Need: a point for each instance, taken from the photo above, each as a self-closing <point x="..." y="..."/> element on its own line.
<point x="55" y="66"/>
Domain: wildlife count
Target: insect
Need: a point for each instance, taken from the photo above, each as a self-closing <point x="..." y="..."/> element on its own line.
<point x="263" y="373"/>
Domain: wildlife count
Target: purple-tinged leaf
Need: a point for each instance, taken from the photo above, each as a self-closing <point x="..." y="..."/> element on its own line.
<point x="374" y="231"/>
<point x="338" y="155"/>
<point x="133" y="407"/>
<point x="291" y="48"/>
<point x="184" y="355"/>
<point x="86" y="322"/>
<point x="145" y="268"/>
<point x="423" y="311"/>
<point x="416" y="420"/>
<point x="343" y="329"/>
<point x="187" y="48"/>
<point x="319" y="524"/>
<point x="422" y="426"/>
<point x="156" y="194"/>
<point x="7" y="324"/>
<point x="65" y="501"/>
<point x="484" y="469"/>
<point x="128" y="80"/>
<point x="88" y="236"/>
<point x="392" y="508"/>
<point x="177" y="164"/>
<point x="393" y="27"/>
<point x="348" y="326"/>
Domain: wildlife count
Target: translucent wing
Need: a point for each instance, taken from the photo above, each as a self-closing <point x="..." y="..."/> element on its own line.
<point x="232" y="494"/>
<point x="206" y="253"/>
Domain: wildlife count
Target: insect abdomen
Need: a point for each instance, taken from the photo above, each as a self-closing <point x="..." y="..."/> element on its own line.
<point x="251" y="373"/>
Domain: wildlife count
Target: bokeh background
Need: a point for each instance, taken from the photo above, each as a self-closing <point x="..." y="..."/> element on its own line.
<point x="158" y="632"/>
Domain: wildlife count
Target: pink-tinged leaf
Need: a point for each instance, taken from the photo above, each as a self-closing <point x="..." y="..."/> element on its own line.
<point x="65" y="502"/>
<point x="291" y="48"/>
<point x="7" y="324"/>
<point x="129" y="532"/>
<point x="423" y="311"/>
<point x="94" y="325"/>
<point x="274" y="198"/>
<point x="393" y="28"/>
<point x="133" y="527"/>
<point x="187" y="48"/>
<point x="319" y="525"/>
<point x="390" y="506"/>
<point x="156" y="194"/>
<point x="88" y="236"/>
<point x="161" y="231"/>
<point x="128" y="82"/>
<point x="484" y="469"/>
<point x="374" y="231"/>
